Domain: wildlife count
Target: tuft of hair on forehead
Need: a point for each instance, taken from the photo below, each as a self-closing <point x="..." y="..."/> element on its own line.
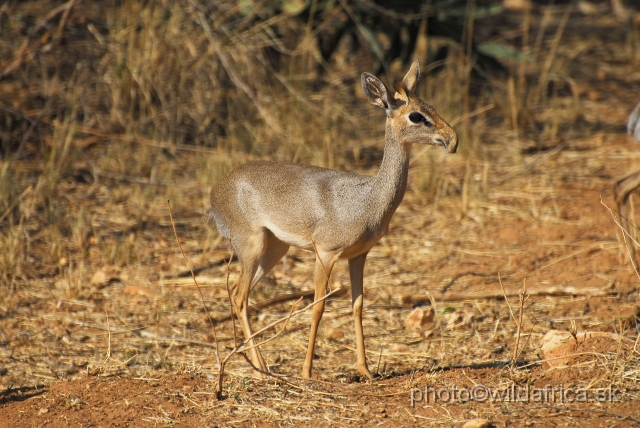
<point x="401" y="92"/>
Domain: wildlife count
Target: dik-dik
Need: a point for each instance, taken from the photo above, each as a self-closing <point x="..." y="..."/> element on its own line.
<point x="265" y="207"/>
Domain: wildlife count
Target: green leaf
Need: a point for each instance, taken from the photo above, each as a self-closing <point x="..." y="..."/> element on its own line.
<point x="294" y="7"/>
<point x="327" y="6"/>
<point x="445" y="11"/>
<point x="498" y="51"/>
<point x="244" y="7"/>
<point x="447" y="310"/>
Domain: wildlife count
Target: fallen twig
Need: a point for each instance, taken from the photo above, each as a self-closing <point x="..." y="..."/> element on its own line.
<point x="421" y="299"/>
<point x="254" y="309"/>
<point x="186" y="273"/>
<point x="258" y="307"/>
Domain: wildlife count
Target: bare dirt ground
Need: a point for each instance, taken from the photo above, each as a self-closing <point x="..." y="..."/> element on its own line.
<point x="134" y="348"/>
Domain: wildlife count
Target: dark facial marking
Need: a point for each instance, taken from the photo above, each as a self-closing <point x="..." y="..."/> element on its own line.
<point x="416" y="117"/>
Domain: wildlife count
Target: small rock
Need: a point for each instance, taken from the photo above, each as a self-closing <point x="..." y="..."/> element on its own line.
<point x="139" y="291"/>
<point x="477" y="423"/>
<point x="339" y="290"/>
<point x="559" y="348"/>
<point x="104" y="276"/>
<point x="399" y="347"/>
<point x="419" y="318"/>
<point x="628" y="314"/>
<point x="336" y="334"/>
<point x="62" y="284"/>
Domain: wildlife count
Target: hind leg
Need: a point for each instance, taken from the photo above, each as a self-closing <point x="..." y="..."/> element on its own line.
<point x="275" y="250"/>
<point x="250" y="250"/>
<point x="257" y="255"/>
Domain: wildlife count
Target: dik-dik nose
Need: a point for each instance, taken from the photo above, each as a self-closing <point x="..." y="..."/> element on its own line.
<point x="449" y="140"/>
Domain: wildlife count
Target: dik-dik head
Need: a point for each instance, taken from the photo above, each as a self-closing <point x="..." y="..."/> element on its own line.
<point x="412" y="120"/>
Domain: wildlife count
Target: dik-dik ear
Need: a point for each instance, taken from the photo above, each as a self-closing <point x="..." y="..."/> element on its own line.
<point x="411" y="78"/>
<point x="408" y="84"/>
<point x="378" y="93"/>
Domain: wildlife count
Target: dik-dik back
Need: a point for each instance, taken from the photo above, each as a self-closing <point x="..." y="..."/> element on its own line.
<point x="287" y="198"/>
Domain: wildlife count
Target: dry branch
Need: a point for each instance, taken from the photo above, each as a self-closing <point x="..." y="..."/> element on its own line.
<point x="523" y="297"/>
<point x="187" y="273"/>
<point x="421" y="299"/>
<point x="625" y="234"/>
<point x="258" y="307"/>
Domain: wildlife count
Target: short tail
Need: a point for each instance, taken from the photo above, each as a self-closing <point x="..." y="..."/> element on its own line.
<point x="209" y="217"/>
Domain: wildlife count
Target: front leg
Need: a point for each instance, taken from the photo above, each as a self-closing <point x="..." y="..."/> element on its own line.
<point x="356" y="273"/>
<point x="324" y="265"/>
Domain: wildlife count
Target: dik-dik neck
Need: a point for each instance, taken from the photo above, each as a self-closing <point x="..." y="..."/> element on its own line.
<point x="390" y="183"/>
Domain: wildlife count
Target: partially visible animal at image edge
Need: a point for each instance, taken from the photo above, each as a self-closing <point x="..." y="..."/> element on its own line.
<point x="625" y="185"/>
<point x="265" y="207"/>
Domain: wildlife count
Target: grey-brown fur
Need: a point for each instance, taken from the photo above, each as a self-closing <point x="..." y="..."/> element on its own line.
<point x="264" y="207"/>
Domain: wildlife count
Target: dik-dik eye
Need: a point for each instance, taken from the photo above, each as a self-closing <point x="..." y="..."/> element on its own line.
<point x="416" y="118"/>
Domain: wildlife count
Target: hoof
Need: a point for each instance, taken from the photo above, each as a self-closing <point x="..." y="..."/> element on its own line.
<point x="306" y="373"/>
<point x="364" y="371"/>
<point x="260" y="375"/>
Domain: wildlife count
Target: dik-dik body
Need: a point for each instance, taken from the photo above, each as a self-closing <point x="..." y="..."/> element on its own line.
<point x="265" y="207"/>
